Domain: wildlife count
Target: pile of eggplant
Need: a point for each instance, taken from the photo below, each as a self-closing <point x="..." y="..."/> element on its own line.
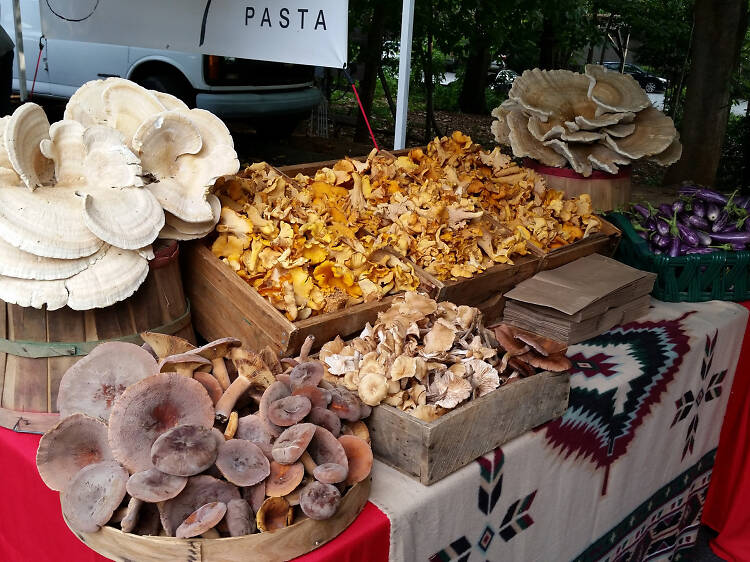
<point x="701" y="221"/>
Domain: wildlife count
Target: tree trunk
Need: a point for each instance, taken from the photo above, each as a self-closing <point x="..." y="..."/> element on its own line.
<point x="719" y="30"/>
<point x="472" y="98"/>
<point x="387" y="91"/>
<point x="373" y="52"/>
<point x="547" y="45"/>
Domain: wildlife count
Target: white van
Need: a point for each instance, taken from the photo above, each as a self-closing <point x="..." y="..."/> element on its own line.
<point x="272" y="95"/>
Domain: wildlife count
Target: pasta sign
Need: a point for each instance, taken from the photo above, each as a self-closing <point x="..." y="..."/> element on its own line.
<point x="297" y="31"/>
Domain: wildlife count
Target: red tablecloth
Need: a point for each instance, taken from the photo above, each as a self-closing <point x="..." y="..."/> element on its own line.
<point x="727" y="508"/>
<point x="32" y="528"/>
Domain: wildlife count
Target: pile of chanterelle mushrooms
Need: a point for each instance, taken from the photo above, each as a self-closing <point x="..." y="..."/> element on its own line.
<point x="161" y="448"/>
<point x="598" y="120"/>
<point x="81" y="200"/>
<point x="426" y="357"/>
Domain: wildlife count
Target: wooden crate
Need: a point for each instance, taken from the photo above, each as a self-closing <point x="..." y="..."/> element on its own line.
<point x="431" y="451"/>
<point x="604" y="242"/>
<point x="224" y="305"/>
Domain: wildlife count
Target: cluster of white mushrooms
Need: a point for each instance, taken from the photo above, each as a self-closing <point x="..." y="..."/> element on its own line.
<point x="177" y="448"/>
<point x="598" y="120"/>
<point x="82" y="200"/>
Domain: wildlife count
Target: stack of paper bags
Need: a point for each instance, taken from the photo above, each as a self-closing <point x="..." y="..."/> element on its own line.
<point x="579" y="300"/>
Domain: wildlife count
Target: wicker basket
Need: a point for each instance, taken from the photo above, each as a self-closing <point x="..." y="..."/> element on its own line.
<point x="691" y="278"/>
<point x="282" y="544"/>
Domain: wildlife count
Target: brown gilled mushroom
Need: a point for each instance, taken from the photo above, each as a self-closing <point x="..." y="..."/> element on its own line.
<point x="318" y="397"/>
<point x="319" y="501"/>
<point x="215" y="352"/>
<point x="522" y="367"/>
<point x="75" y="442"/>
<point x="506" y="338"/>
<point x="211" y="385"/>
<point x="199" y="491"/>
<point x="556" y="363"/>
<point x="242" y="462"/>
<point x="183" y="363"/>
<point x="344" y="404"/>
<point x="240" y="518"/>
<point x="289" y="410"/>
<point x="93" y="495"/>
<point x="325" y="418"/>
<point x="255" y="495"/>
<point x="325" y="448"/>
<point x="165" y="345"/>
<point x="284" y="478"/>
<point x="359" y="455"/>
<point x="271" y="360"/>
<point x="252" y="428"/>
<point x="290" y="445"/>
<point x="309" y="373"/>
<point x="275" y="513"/>
<point x="150" y="407"/>
<point x="540" y="344"/>
<point x="92" y="385"/>
<point x="185" y="450"/>
<point x="153" y="485"/>
<point x="201" y="520"/>
<point x="250" y="369"/>
<point x="358" y="429"/>
<point x="330" y="473"/>
<point x="276" y="391"/>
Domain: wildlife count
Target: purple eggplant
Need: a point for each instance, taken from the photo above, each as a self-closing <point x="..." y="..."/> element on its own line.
<point x="678" y="206"/>
<point x="720" y="222"/>
<point x="674" y="248"/>
<point x="642" y="210"/>
<point x="695" y="221"/>
<point x="662" y="241"/>
<point x="702" y="250"/>
<point x="730" y="228"/>
<point x="643" y="234"/>
<point x="711" y="196"/>
<point x="666" y="210"/>
<point x="737" y="247"/>
<point x="713" y="210"/>
<point x="688" y="235"/>
<point x="688" y="190"/>
<point x="662" y="226"/>
<point x="730" y="237"/>
<point x="703" y="238"/>
<point x="699" y="208"/>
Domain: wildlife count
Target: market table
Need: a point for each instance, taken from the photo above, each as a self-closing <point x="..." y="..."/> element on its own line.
<point x="621" y="476"/>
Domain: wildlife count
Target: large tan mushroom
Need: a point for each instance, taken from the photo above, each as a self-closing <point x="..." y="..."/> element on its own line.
<point x="92" y="385"/>
<point x="614" y="92"/>
<point x="151" y="407"/>
<point x="76" y="441"/>
<point x="93" y="495"/>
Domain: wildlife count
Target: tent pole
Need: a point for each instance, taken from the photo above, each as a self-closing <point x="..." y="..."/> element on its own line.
<point x="404" y="72"/>
<point x="21" y="60"/>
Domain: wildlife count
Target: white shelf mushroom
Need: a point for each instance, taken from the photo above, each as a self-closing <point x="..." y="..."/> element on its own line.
<point x="593" y="121"/>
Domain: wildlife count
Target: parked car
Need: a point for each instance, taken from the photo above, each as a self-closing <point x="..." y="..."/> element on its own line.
<point x="504" y="80"/>
<point x="649" y="82"/>
<point x="272" y="96"/>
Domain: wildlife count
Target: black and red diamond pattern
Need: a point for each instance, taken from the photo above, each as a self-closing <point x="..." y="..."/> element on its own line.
<point x="515" y="520"/>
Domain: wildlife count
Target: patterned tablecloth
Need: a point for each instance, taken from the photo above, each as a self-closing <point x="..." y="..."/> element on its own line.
<point x="621" y="476"/>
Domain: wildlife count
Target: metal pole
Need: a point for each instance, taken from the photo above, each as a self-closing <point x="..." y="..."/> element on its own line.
<point x="19" y="49"/>
<point x="404" y="72"/>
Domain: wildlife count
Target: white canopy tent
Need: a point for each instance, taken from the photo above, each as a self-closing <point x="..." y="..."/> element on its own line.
<point x="404" y="73"/>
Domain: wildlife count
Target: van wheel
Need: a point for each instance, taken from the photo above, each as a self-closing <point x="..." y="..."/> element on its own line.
<point x="170" y="84"/>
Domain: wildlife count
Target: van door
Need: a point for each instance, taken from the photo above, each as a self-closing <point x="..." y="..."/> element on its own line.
<point x="31" y="29"/>
<point x="73" y="63"/>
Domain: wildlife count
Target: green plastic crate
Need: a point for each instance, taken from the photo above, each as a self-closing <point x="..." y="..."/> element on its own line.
<point x="692" y="278"/>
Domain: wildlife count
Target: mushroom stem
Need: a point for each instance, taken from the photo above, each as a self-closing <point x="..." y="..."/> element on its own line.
<point x="220" y="372"/>
<point x="308" y="462"/>
<point x="306" y="348"/>
<point x="130" y="520"/>
<point x="232" y="424"/>
<point x="226" y="403"/>
<point x="184" y="371"/>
